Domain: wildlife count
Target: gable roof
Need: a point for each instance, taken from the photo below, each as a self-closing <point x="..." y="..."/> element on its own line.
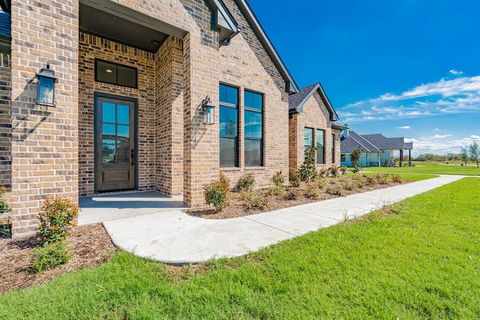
<point x="224" y="20"/>
<point x="372" y="143"/>
<point x="298" y="100"/>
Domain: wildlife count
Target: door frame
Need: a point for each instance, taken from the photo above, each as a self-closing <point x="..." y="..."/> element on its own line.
<point x="96" y="97"/>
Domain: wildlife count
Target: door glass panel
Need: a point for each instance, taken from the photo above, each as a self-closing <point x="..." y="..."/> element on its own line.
<point x="108" y="150"/>
<point x="123" y="114"/>
<point x="123" y="131"/>
<point x="108" y="130"/>
<point x="123" y="151"/>
<point x="108" y="112"/>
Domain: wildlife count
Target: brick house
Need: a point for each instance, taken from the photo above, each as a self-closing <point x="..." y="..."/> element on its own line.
<point x="312" y="122"/>
<point x="130" y="108"/>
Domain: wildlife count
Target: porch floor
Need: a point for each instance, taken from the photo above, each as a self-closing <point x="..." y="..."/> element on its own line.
<point x="111" y="207"/>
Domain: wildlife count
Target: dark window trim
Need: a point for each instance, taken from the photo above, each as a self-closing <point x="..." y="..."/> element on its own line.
<point x="313" y="137"/>
<point x="316" y="146"/>
<point x="117" y="65"/>
<point x="237" y="138"/>
<point x="262" y="139"/>
<point x="334" y="136"/>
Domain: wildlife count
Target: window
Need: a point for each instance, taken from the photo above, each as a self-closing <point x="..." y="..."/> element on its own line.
<point x="253" y="129"/>
<point x="320" y="140"/>
<point x="333" y="149"/>
<point x="117" y="74"/>
<point x="343" y="157"/>
<point x="228" y="126"/>
<point x="308" y="138"/>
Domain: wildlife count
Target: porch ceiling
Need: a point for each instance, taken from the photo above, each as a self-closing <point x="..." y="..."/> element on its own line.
<point x="112" y="21"/>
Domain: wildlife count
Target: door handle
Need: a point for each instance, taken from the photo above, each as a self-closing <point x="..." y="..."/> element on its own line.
<point x="132" y="157"/>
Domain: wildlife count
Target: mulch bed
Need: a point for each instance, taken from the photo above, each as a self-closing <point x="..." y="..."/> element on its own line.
<point x="237" y="208"/>
<point x="90" y="246"/>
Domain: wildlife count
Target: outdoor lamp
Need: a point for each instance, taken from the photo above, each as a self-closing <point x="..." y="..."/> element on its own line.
<point x="46" y="86"/>
<point x="208" y="112"/>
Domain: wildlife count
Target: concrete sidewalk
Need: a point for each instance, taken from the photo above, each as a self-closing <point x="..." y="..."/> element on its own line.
<point x="177" y="238"/>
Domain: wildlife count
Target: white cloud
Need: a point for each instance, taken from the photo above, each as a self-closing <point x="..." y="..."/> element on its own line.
<point x="456" y="72"/>
<point x="460" y="95"/>
<point x="440" y="144"/>
<point x="405" y="127"/>
<point x="436" y="129"/>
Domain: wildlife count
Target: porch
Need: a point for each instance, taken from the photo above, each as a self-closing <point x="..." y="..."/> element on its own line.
<point x="118" y="206"/>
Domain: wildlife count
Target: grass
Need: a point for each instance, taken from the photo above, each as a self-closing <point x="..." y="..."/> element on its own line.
<point x="430" y="168"/>
<point x="405" y="176"/>
<point x="423" y="262"/>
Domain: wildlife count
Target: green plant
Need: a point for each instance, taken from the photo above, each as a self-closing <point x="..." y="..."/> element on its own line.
<point x="294" y="178"/>
<point x="308" y="170"/>
<point x="3" y="204"/>
<point x="278" y="179"/>
<point x="323" y="173"/>
<point x="311" y="191"/>
<point x="355" y="158"/>
<point x="334" y="190"/>
<point x="276" y="190"/>
<point x="49" y="256"/>
<point x="320" y="182"/>
<point x="254" y="200"/>
<point x="381" y="178"/>
<point x="396" y="178"/>
<point x="334" y="171"/>
<point x="291" y="195"/>
<point x="217" y="193"/>
<point x="56" y="219"/>
<point x="343" y="170"/>
<point x="245" y="183"/>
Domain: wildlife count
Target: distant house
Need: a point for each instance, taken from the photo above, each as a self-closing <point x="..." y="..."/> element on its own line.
<point x="377" y="150"/>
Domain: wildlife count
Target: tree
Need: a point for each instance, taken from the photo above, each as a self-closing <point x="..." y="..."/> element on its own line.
<point x="474" y="151"/>
<point x="308" y="170"/>
<point x="464" y="155"/>
<point x="355" y="157"/>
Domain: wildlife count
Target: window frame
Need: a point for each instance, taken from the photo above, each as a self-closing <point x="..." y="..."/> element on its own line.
<point x="235" y="138"/>
<point x="116" y="67"/>
<point x="334" y="137"/>
<point x="245" y="138"/>
<point x="313" y="137"/>
<point x="317" y="148"/>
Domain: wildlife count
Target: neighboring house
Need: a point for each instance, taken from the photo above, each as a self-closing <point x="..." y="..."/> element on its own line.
<point x="312" y="123"/>
<point x="148" y="95"/>
<point x="377" y="150"/>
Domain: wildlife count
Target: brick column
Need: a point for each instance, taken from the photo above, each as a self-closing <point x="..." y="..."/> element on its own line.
<point x="44" y="139"/>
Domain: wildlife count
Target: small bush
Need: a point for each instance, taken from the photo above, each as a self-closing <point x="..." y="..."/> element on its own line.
<point x="381" y="178"/>
<point x="360" y="180"/>
<point x="308" y="170"/>
<point x="217" y="193"/>
<point x="334" y="171"/>
<point x="49" y="256"/>
<point x="278" y="179"/>
<point x="291" y="195"/>
<point x="323" y="173"/>
<point x="343" y="170"/>
<point x="275" y="190"/>
<point x="245" y="183"/>
<point x="334" y="190"/>
<point x="396" y="178"/>
<point x="3" y="204"/>
<point x="311" y="191"/>
<point x="56" y="219"/>
<point x="294" y="178"/>
<point x="320" y="182"/>
<point x="254" y="200"/>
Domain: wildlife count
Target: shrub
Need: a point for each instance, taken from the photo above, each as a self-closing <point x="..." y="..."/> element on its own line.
<point x="312" y="191"/>
<point x="56" y="219"/>
<point x="334" y="190"/>
<point x="254" y="200"/>
<point x="320" y="182"/>
<point x="294" y="177"/>
<point x="396" y="178"/>
<point x="308" y="170"/>
<point x="276" y="190"/>
<point x="3" y="204"/>
<point x="343" y="170"/>
<point x="291" y="195"/>
<point x="217" y="193"/>
<point x="359" y="180"/>
<point x="334" y="171"/>
<point x="322" y="173"/>
<point x="224" y="182"/>
<point x="49" y="256"/>
<point x="245" y="183"/>
<point x="381" y="178"/>
<point x="278" y="179"/>
<point x="355" y="157"/>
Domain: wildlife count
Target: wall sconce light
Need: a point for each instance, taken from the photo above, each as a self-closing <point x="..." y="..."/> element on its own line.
<point x="208" y="111"/>
<point x="46" y="86"/>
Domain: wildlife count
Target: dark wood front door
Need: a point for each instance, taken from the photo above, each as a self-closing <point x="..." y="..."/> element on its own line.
<point x="114" y="144"/>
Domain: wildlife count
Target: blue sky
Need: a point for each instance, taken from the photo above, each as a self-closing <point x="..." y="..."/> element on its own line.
<point x="402" y="68"/>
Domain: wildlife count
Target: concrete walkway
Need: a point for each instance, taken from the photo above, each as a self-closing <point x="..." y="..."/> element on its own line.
<point x="177" y="238"/>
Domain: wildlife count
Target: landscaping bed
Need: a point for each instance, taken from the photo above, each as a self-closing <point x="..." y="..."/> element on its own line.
<point x="89" y="246"/>
<point x="245" y="203"/>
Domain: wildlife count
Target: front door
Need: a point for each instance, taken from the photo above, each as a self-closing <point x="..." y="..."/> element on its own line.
<point x="115" y="144"/>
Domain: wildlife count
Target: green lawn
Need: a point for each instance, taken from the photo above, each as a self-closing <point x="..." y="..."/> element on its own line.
<point x="423" y="262"/>
<point x="405" y="176"/>
<point x="430" y="168"/>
